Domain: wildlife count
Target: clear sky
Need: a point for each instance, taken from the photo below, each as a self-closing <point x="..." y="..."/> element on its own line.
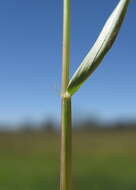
<point x="30" y="60"/>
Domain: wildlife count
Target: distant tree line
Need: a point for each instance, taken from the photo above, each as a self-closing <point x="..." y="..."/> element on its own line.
<point x="84" y="125"/>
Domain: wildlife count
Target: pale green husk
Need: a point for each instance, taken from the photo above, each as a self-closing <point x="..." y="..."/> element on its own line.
<point x="100" y="48"/>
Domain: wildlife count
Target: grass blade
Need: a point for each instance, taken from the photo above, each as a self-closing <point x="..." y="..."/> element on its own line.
<point x="100" y="48"/>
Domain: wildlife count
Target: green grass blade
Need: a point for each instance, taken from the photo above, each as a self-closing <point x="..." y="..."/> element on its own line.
<point x="100" y="48"/>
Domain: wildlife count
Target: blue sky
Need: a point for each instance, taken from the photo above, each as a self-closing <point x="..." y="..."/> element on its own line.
<point x="30" y="60"/>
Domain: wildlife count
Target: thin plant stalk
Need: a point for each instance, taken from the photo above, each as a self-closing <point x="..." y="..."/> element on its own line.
<point x="102" y="45"/>
<point x="65" y="165"/>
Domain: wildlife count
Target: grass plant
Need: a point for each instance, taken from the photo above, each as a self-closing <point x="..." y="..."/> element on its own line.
<point x="102" y="45"/>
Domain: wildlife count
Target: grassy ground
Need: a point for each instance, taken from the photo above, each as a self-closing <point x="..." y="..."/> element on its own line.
<point x="102" y="160"/>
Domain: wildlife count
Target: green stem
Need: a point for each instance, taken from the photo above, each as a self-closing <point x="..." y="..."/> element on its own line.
<point x="65" y="183"/>
<point x="65" y="170"/>
<point x="66" y="46"/>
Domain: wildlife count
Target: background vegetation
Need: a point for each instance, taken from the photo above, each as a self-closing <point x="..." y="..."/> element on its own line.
<point x="103" y="158"/>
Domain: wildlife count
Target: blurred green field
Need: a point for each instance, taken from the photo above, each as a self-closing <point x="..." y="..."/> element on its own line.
<point x="102" y="160"/>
